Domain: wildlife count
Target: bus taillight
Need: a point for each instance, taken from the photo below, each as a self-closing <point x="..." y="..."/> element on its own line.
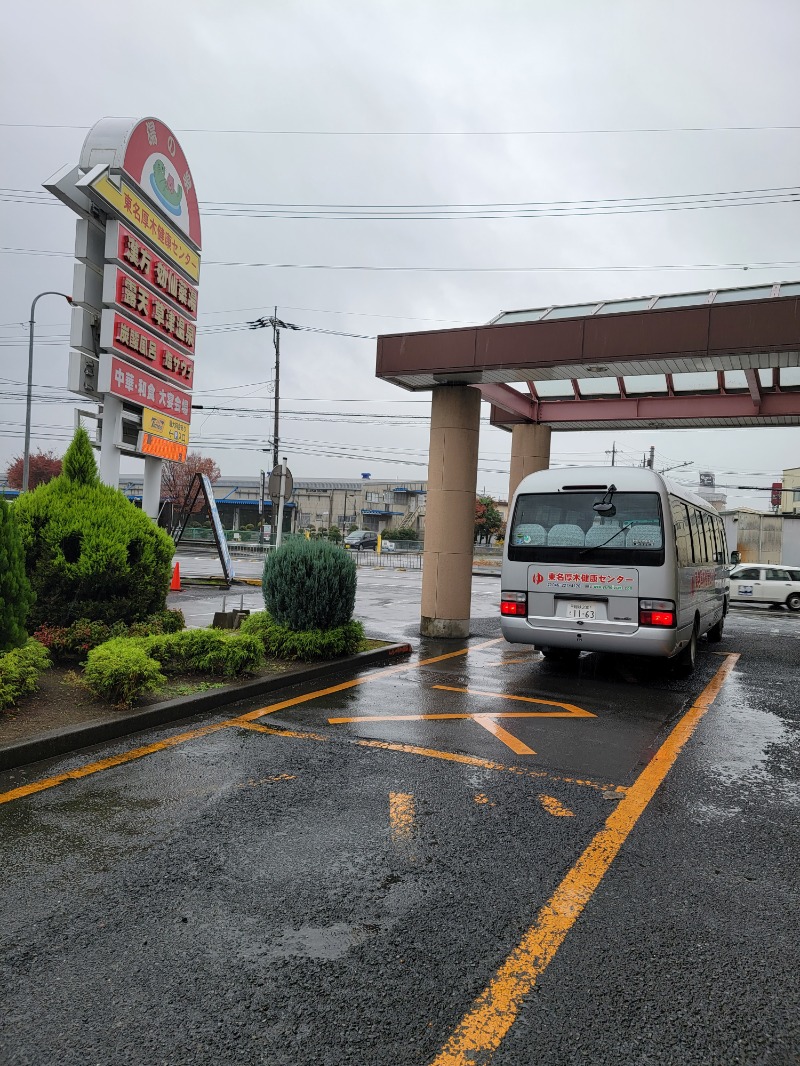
<point x="657" y="613"/>
<point x="514" y="604"/>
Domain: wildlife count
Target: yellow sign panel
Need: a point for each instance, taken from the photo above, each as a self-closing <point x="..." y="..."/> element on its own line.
<point x="138" y="212"/>
<point x="163" y="426"/>
<point x="162" y="449"/>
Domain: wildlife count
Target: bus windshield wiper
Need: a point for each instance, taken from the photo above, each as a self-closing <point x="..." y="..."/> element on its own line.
<point x="622" y="529"/>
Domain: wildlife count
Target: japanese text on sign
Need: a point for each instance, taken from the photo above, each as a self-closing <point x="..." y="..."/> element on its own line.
<point x="161" y="448"/>
<point x="134" y="385"/>
<point x="118" y="334"/>
<point x="597" y="581"/>
<point x="160" y="316"/>
<point x="138" y="213"/>
<point x="134" y="253"/>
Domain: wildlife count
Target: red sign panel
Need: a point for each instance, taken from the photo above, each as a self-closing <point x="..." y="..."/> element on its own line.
<point x="131" y="250"/>
<point x="138" y="301"/>
<point x="777" y="492"/>
<point x="161" y="448"/>
<point x="119" y="334"/>
<point x="155" y="161"/>
<point x="137" y="387"/>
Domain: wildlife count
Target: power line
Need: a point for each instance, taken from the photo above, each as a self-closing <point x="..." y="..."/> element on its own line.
<point x="611" y="131"/>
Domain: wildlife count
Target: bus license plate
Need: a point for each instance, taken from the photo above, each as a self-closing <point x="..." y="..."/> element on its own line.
<point x="580" y="610"/>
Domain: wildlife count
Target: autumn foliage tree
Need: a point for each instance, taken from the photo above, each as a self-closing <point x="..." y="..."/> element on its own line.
<point x="488" y="520"/>
<point x="176" y="479"/>
<point x="42" y="467"/>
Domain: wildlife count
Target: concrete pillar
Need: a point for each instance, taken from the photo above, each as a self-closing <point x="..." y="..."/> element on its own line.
<point x="151" y="486"/>
<point x="530" y="451"/>
<point x="450" y="517"/>
<point x="111" y="434"/>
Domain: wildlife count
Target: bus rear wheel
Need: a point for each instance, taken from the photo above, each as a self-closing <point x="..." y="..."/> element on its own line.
<point x="686" y="659"/>
<point x="562" y="654"/>
<point x="715" y="633"/>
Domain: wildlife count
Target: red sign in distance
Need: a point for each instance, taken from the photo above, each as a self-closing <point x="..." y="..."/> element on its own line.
<point x="136" y="300"/>
<point x="129" y="339"/>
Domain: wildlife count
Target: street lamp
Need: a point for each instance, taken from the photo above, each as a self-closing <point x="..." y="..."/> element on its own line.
<point x="27" y="453"/>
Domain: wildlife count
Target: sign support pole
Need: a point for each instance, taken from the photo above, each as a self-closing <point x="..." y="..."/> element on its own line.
<point x="151" y="490"/>
<point x="279" y="533"/>
<point x="112" y="434"/>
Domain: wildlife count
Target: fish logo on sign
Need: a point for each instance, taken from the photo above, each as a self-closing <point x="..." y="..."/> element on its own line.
<point x="537" y="578"/>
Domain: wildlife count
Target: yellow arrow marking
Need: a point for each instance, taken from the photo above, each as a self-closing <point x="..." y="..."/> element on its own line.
<point x="569" y="710"/>
<point x="486" y="721"/>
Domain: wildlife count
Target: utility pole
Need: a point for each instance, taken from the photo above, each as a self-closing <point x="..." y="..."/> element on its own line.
<point x="652" y="457"/>
<point x="277" y="325"/>
<point x="613" y="452"/>
<point x="276" y="340"/>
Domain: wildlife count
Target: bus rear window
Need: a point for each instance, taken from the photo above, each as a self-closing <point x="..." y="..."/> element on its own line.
<point x="565" y="526"/>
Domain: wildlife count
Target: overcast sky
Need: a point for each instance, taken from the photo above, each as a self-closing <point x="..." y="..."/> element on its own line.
<point x="403" y="104"/>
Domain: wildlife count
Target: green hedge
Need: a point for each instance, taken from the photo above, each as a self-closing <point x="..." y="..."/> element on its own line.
<point x="281" y="642"/>
<point x="19" y="671"/>
<point x="127" y="667"/>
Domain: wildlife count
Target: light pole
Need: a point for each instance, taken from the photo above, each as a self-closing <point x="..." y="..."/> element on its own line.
<point x="26" y="461"/>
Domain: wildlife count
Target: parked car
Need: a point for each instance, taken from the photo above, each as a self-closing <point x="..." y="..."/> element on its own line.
<point x="764" y="583"/>
<point x="361" y="540"/>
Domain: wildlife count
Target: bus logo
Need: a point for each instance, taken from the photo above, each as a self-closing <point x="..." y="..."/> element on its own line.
<point x="537" y="578"/>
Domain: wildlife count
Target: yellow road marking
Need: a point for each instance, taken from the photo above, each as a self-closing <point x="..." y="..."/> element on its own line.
<point x="483" y="1027"/>
<point x="552" y="806"/>
<point x="107" y="764"/>
<point x="401" y="815"/>
<point x="510" y="741"/>
<point x="181" y="738"/>
<point x="569" y="709"/>
<point x="431" y="753"/>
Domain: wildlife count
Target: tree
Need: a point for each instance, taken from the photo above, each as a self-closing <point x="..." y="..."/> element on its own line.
<point x="79" y="465"/>
<point x="89" y="552"/>
<point x="15" y="591"/>
<point x="488" y="519"/>
<point x="42" y="467"/>
<point x="177" y="478"/>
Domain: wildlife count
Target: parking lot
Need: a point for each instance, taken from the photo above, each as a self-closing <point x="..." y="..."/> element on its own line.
<point x="472" y="856"/>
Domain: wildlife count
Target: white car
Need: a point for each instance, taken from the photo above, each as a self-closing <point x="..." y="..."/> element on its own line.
<point x="761" y="583"/>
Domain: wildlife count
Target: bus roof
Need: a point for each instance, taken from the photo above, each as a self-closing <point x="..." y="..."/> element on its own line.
<point x="598" y="479"/>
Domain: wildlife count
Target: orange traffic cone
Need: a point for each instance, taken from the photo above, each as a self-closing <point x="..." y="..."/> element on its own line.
<point x="176" y="579"/>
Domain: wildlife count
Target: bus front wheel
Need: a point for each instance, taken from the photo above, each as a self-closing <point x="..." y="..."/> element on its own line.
<point x="686" y="659"/>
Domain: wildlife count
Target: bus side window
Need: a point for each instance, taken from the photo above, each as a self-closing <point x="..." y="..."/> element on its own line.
<point x="683" y="541"/>
<point x="698" y="537"/>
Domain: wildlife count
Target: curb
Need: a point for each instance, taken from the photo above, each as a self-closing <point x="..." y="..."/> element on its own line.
<point x="65" y="741"/>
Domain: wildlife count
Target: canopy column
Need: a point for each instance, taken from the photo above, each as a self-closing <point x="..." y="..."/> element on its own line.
<point x="530" y="451"/>
<point x="450" y="511"/>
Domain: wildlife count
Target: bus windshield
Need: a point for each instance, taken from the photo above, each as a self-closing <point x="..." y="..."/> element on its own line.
<point x="568" y="527"/>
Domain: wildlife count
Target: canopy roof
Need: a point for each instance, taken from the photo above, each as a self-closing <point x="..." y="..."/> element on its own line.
<point x="721" y="357"/>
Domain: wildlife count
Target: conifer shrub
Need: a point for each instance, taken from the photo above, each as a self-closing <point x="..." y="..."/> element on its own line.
<point x="309" y="585"/>
<point x="121" y="670"/>
<point x="16" y="596"/>
<point x="19" y="671"/>
<point x="306" y="645"/>
<point x="89" y="552"/>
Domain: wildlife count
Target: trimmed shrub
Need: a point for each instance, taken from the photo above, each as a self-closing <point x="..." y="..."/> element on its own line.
<point x="310" y="585"/>
<point x="307" y="645"/>
<point x="89" y="553"/>
<point x="208" y="651"/>
<point x="16" y="596"/>
<point x="19" y="671"/>
<point x="121" y="670"/>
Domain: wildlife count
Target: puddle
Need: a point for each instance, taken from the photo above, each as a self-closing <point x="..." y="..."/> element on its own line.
<point x="321" y="942"/>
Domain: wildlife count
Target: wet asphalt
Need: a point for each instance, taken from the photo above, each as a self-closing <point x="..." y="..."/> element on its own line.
<point x="330" y="892"/>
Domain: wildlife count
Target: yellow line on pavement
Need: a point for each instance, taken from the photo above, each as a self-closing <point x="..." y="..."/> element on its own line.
<point x="431" y="753"/>
<point x="510" y="741"/>
<point x="483" y="1027"/>
<point x="181" y="738"/>
<point x="401" y="815"/>
<point x="107" y="764"/>
<point x="570" y="710"/>
<point x="552" y="806"/>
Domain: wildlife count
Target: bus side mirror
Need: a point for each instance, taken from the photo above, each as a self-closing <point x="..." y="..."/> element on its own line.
<point x="736" y="557"/>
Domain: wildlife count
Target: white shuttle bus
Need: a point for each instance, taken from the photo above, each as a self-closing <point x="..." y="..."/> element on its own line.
<point x="613" y="559"/>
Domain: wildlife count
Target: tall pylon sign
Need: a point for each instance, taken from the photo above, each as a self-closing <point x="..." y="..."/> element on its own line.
<point x="135" y="290"/>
